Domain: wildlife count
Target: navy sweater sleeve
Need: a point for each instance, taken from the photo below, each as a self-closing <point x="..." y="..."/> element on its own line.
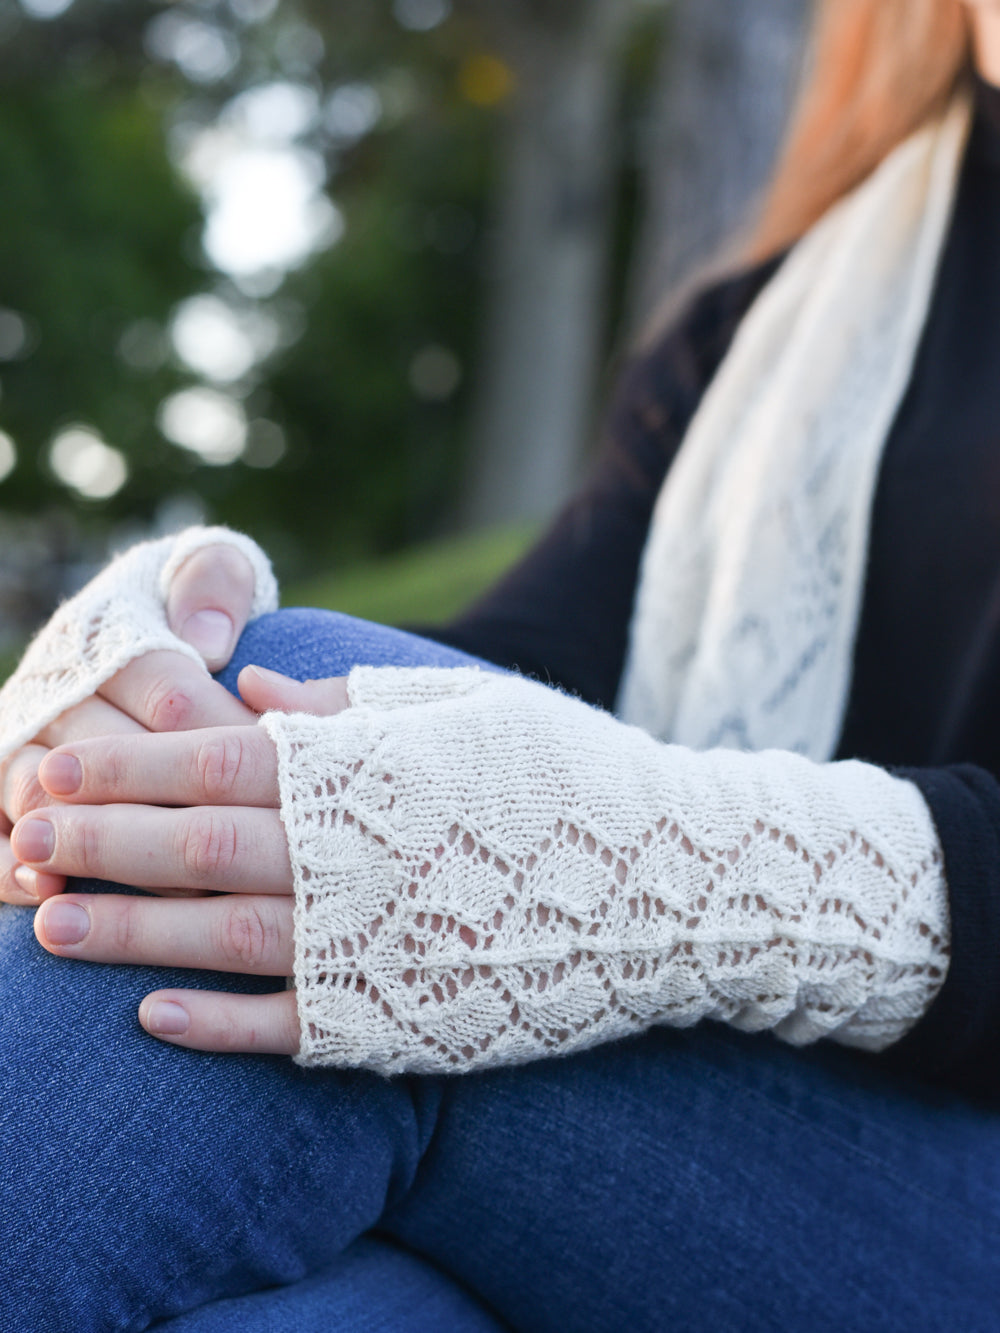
<point x="958" y="1040"/>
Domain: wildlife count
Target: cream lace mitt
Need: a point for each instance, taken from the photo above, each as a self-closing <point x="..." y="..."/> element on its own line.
<point x="117" y="617"/>
<point x="487" y="871"/>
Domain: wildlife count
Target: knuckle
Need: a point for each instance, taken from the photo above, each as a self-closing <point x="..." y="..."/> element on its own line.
<point x="9" y="888"/>
<point x="166" y="706"/>
<point x="124" y="928"/>
<point x="210" y="846"/>
<point x="25" y="792"/>
<point x="249" y="936"/>
<point x="86" y="844"/>
<point x="221" y="765"/>
<point x="228" y="1033"/>
<point x="81" y="845"/>
<point x="109" y="769"/>
<point x="116" y="767"/>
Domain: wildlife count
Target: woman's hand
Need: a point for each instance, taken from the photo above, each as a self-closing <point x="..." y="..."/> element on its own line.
<point x="208" y="605"/>
<point x="224" y="833"/>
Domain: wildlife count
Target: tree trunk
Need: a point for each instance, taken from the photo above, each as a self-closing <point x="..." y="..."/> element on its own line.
<point x="729" y="71"/>
<point x="547" y="307"/>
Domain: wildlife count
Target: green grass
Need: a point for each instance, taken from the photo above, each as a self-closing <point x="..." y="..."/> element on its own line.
<point x="424" y="585"/>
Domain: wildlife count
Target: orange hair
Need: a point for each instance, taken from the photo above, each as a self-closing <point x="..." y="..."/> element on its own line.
<point x="879" y="70"/>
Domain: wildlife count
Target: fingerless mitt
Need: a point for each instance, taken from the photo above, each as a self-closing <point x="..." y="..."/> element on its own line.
<point x="487" y="871"/>
<point x="117" y="617"/>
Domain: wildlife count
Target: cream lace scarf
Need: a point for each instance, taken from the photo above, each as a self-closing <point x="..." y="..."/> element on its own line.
<point x="750" y="589"/>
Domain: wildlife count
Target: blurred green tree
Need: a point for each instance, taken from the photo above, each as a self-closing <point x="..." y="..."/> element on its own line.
<point x="355" y="407"/>
<point x="94" y="224"/>
<point x="466" y="175"/>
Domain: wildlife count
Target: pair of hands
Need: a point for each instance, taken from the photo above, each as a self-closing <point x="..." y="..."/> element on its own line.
<point x="163" y="781"/>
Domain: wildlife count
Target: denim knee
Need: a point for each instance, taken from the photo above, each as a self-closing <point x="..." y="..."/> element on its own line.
<point x="139" y="1180"/>
<point x="309" y="644"/>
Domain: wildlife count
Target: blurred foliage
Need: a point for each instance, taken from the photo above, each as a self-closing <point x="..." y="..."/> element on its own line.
<point x="102" y="240"/>
<point x="95" y="221"/>
<point x="370" y="464"/>
<point x="102" y="233"/>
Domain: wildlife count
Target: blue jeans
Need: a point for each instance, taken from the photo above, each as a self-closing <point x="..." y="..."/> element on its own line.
<point x="690" y="1180"/>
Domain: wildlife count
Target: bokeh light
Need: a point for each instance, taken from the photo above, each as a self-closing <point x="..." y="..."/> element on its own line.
<point x="420" y="15"/>
<point x="485" y="80"/>
<point x="278" y="112"/>
<point x="252" y="11"/>
<point x="266" y="444"/>
<point x="205" y="422"/>
<point x="352" y="111"/>
<point x="13" y="335"/>
<point x="83" y="461"/>
<point x="8" y="455"/>
<point x="267" y="212"/>
<point x="143" y="346"/>
<point x="435" y="373"/>
<point x="45" y="9"/>
<point x="299" y="47"/>
<point x="219" y="341"/>
<point x="202" y="51"/>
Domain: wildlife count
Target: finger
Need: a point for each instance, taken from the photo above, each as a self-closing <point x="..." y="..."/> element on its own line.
<point x="245" y="934"/>
<point x="20" y="789"/>
<point x="10" y="890"/>
<point x="166" y="691"/>
<point x="210" y="1021"/>
<point x="209" y="602"/>
<point x="214" y="766"/>
<point x="93" y="717"/>
<point x="21" y="886"/>
<point x="266" y="690"/>
<point x="35" y="886"/>
<point x="232" y="850"/>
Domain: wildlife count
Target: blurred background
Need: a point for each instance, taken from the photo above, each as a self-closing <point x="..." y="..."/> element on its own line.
<point x="349" y="275"/>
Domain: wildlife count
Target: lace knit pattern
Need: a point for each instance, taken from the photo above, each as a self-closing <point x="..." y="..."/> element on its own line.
<point x="751" y="581"/>
<point x="487" y="872"/>
<point x="116" y="618"/>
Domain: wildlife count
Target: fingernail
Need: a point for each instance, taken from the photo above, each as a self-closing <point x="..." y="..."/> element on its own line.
<point x="61" y="774"/>
<point x="166" y="1019"/>
<point x="65" y="923"/>
<point x="33" y="840"/>
<point x="269" y="677"/>
<point x="27" y="882"/>
<point x="211" y="632"/>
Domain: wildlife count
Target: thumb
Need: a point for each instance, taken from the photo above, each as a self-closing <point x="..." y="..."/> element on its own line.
<point x="267" y="691"/>
<point x="209" y="602"/>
